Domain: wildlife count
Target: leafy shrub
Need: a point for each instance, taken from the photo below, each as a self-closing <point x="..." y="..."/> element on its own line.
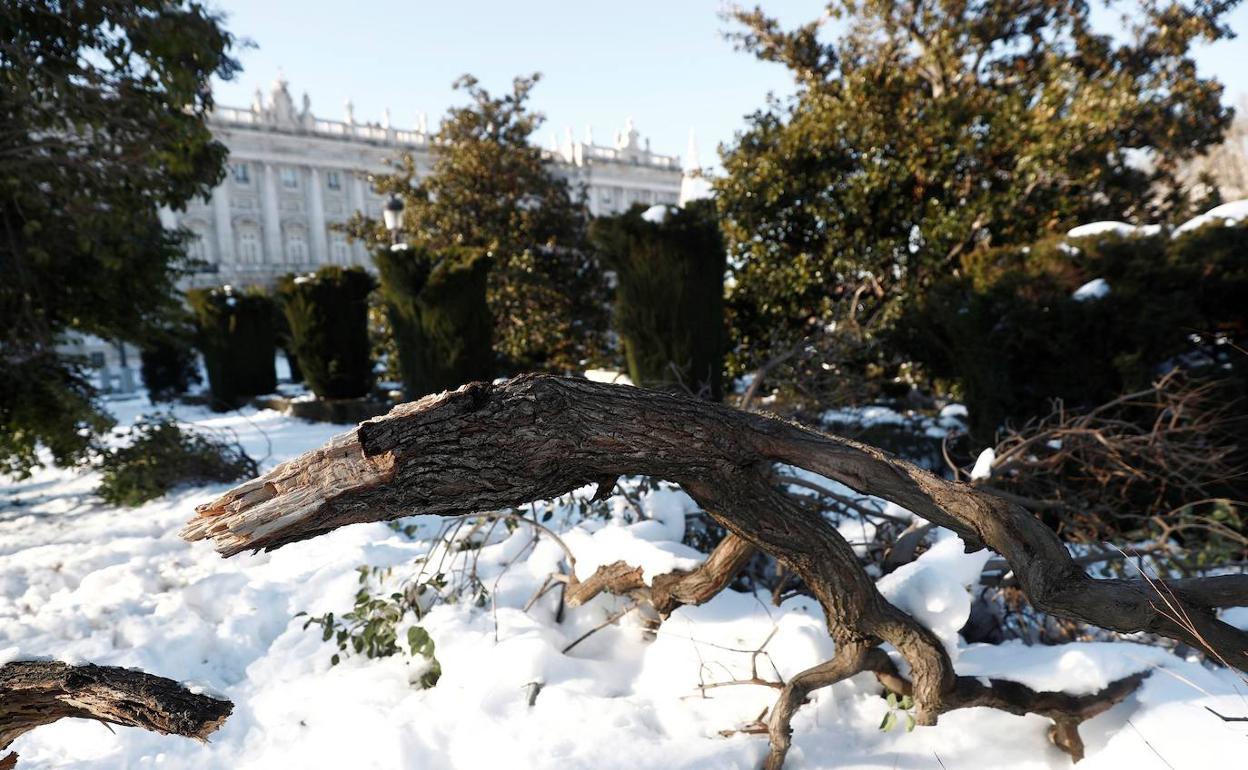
<point x="169" y="367"/>
<point x="669" y="300"/>
<point x="163" y="455"/>
<point x="1008" y="335"/>
<point x="235" y="332"/>
<point x="327" y="314"/>
<point x="371" y="627"/>
<point x="436" y="305"/>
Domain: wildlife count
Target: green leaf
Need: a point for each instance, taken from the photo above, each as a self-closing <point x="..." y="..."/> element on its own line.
<point x="888" y="722"/>
<point x="910" y="722"/>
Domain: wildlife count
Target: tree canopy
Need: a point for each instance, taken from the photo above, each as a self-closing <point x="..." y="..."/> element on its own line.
<point x="491" y="188"/>
<point x="102" y="121"/>
<point x="922" y="131"/>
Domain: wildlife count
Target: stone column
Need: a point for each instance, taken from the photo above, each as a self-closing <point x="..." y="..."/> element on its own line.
<point x="316" y="218"/>
<point x="272" y="222"/>
<point x="357" y="201"/>
<point x="221" y="223"/>
<point x="168" y="219"/>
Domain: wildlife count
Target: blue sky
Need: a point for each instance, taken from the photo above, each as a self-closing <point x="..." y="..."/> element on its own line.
<point x="665" y="64"/>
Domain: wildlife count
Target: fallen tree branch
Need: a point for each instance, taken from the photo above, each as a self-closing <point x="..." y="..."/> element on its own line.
<point x="1067" y="711"/>
<point x="36" y="693"/>
<point x="488" y="447"/>
<point x="670" y="590"/>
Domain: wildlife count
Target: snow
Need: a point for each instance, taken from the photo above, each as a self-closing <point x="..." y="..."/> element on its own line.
<point x="656" y="214"/>
<point x="933" y="588"/>
<point x="608" y="376"/>
<point x="83" y="581"/>
<point x="1122" y="229"/>
<point x="983" y="464"/>
<point x="1228" y="214"/>
<point x="1097" y="288"/>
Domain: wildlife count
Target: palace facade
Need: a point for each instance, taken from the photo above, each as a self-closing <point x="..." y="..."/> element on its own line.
<point x="293" y="175"/>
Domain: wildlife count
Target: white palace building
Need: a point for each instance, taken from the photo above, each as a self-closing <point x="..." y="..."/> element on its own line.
<point x="293" y="175"/>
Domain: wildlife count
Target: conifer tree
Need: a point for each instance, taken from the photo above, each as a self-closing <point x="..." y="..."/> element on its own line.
<point x="327" y="317"/>
<point x="235" y="333"/>
<point x="669" y="297"/>
<point x="436" y="306"/>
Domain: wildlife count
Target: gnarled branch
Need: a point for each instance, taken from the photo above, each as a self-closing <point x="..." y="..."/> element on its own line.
<point x="486" y="447"/>
<point x="35" y="693"/>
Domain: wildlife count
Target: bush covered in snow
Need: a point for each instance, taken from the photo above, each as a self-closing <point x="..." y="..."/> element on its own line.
<point x="326" y="313"/>
<point x="163" y="455"/>
<point x="1021" y="326"/>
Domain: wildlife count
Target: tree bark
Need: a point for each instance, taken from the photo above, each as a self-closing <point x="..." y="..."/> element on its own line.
<point x="35" y="693"/>
<point x="486" y="447"/>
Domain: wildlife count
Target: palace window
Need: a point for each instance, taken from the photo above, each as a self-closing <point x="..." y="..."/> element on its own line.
<point x="338" y="250"/>
<point x="249" y="243"/>
<point x="242" y="173"/>
<point x="290" y="177"/>
<point x="333" y="181"/>
<point x="296" y="244"/>
<point x="197" y="244"/>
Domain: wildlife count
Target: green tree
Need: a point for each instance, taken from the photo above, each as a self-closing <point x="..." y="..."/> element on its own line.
<point x="439" y="319"/>
<point x="922" y="131"/>
<point x="669" y="296"/>
<point x="490" y="188"/>
<point x="102" y="121"/>
<point x="327" y="317"/>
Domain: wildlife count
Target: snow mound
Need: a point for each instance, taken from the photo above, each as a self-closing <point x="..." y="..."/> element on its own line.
<point x="983" y="464"/>
<point x="1228" y="214"/>
<point x="933" y="588"/>
<point x="1097" y="288"/>
<point x="607" y="375"/>
<point x="656" y="214"/>
<point x="1108" y="227"/>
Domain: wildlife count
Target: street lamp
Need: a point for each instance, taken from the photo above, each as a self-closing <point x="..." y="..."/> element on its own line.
<point x="393" y="214"/>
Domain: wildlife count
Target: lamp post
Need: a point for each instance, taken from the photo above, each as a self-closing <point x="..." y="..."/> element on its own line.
<point x="393" y="215"/>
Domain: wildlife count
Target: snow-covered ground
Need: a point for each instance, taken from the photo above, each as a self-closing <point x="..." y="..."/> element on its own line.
<point x="80" y="581"/>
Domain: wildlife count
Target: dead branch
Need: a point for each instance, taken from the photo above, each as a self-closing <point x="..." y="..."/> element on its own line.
<point x="489" y="447"/>
<point x="1067" y="711"/>
<point x="668" y="591"/>
<point x="35" y="693"/>
<point x="1151" y="457"/>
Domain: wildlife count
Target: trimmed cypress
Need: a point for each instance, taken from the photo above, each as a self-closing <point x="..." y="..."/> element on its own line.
<point x="327" y="314"/>
<point x="168" y="365"/>
<point x="282" y="330"/>
<point x="439" y="316"/>
<point x="669" y="296"/>
<point x="234" y="331"/>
